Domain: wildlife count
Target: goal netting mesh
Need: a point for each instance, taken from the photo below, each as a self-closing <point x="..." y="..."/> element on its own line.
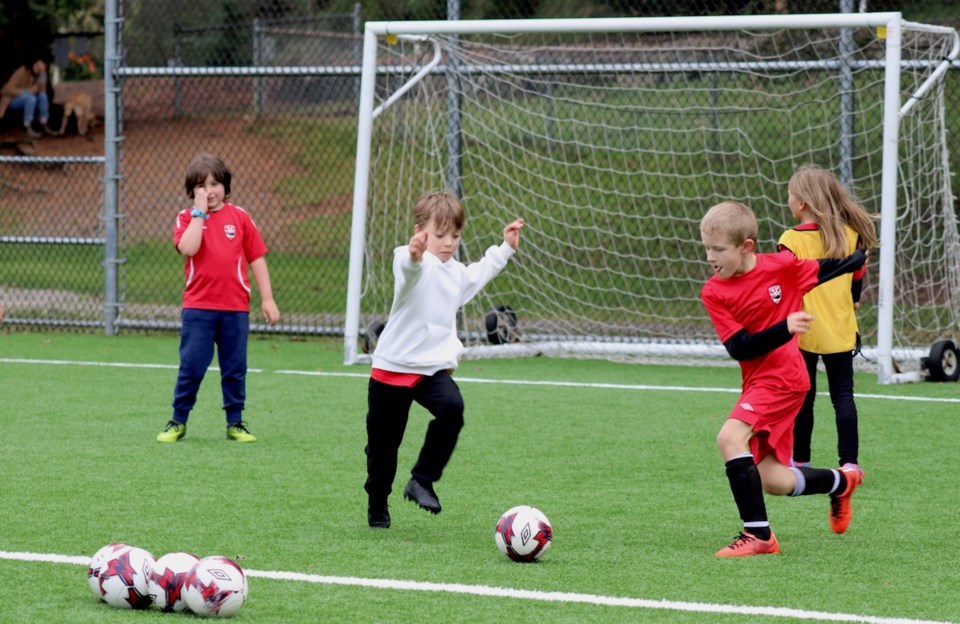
<point x="613" y="145"/>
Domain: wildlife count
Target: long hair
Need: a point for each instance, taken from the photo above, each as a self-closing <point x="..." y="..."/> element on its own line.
<point x="833" y="206"/>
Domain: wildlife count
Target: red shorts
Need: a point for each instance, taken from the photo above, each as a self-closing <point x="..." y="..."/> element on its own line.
<point x="770" y="413"/>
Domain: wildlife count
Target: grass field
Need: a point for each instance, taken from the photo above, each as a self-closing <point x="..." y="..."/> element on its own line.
<point x="620" y="457"/>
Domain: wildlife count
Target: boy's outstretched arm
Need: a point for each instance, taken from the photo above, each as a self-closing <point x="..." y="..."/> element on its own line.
<point x="746" y="346"/>
<point x="511" y="233"/>
<point x="831" y="267"/>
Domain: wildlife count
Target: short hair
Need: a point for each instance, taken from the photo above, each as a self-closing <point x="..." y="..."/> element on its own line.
<point x="202" y="166"/>
<point x="731" y="219"/>
<point x="443" y="207"/>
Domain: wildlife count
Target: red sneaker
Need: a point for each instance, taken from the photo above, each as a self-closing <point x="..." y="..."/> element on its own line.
<point x="748" y="544"/>
<point x="840" y="509"/>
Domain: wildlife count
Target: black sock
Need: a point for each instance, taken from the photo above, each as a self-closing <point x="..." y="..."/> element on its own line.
<point x="820" y="481"/>
<point x="748" y="494"/>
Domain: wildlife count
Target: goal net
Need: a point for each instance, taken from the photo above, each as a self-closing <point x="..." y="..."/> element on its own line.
<point x="613" y="137"/>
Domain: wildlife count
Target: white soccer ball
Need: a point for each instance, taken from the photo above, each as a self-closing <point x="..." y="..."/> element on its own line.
<point x="523" y="533"/>
<point x="123" y="578"/>
<point x="215" y="587"/>
<point x="93" y="570"/>
<point x="166" y="581"/>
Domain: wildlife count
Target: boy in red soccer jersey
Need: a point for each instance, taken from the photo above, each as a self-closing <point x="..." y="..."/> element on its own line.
<point x="220" y="241"/>
<point x="754" y="301"/>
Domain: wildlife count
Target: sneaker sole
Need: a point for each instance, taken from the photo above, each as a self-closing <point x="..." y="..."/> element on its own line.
<point x="413" y="500"/>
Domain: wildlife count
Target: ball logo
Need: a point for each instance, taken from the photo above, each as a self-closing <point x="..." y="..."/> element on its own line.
<point x="775" y="293"/>
<point x="219" y="574"/>
<point x="525" y="534"/>
<point x="230" y="231"/>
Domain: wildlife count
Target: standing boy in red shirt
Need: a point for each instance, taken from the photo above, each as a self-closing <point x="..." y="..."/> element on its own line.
<point x="754" y="301"/>
<point x="219" y="241"/>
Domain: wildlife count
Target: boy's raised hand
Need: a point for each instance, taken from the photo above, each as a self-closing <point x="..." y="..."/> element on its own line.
<point x="511" y="233"/>
<point x="200" y="198"/>
<point x="417" y="245"/>
<point x="799" y="322"/>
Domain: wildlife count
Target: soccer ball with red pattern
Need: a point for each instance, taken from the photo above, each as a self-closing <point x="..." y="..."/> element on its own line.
<point x="166" y="581"/>
<point x="123" y="576"/>
<point x="96" y="562"/>
<point x="215" y="587"/>
<point x="523" y="533"/>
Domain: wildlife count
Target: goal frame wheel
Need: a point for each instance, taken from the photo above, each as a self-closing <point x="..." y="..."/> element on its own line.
<point x="372" y="335"/>
<point x="501" y="324"/>
<point x="943" y="363"/>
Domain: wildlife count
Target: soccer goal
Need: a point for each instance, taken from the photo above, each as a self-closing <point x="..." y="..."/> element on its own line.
<point x="612" y="137"/>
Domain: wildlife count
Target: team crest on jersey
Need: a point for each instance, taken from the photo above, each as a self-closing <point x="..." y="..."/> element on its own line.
<point x="775" y="293"/>
<point x="230" y="231"/>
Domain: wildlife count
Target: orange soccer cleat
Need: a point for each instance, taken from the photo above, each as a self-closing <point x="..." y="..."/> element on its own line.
<point x="748" y="544"/>
<point x="840" y="509"/>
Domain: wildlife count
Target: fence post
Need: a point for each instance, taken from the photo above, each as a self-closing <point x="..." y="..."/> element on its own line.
<point x="357" y="47"/>
<point x="257" y="62"/>
<point x="846" y="100"/>
<point x="111" y="261"/>
<point x="177" y="61"/>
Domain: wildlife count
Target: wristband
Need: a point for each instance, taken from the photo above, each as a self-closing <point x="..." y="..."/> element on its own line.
<point x="196" y="212"/>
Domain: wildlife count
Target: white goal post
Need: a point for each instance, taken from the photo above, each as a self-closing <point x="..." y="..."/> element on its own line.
<point x="612" y="136"/>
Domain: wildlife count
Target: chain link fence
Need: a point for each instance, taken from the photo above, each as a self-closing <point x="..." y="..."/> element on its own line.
<point x="275" y="95"/>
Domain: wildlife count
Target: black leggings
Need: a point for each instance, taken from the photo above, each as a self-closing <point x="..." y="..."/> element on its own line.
<point x="840" y="379"/>
<point x="388" y="409"/>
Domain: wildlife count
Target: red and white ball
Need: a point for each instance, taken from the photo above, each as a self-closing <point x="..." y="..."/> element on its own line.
<point x="523" y="533"/>
<point x="215" y="587"/>
<point x="123" y="578"/>
<point x="93" y="570"/>
<point x="166" y="581"/>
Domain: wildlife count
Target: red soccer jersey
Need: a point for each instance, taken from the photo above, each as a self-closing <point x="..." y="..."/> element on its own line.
<point x="760" y="299"/>
<point x="216" y="277"/>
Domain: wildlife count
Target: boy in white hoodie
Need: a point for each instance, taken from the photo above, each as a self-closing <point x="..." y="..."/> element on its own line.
<point x="419" y="349"/>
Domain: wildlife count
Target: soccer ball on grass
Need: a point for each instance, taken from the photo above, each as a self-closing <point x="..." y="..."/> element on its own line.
<point x="523" y="533"/>
<point x="93" y="569"/>
<point x="123" y="576"/>
<point x="166" y="582"/>
<point x="215" y="587"/>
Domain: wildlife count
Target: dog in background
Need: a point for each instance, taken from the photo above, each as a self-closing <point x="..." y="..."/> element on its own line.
<point x="80" y="105"/>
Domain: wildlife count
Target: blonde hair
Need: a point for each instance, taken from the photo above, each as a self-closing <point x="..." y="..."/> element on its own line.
<point x="443" y="207"/>
<point x="832" y="206"/>
<point x="731" y="219"/>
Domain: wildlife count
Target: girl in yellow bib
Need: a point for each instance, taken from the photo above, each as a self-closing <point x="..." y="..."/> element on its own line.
<point x="831" y="225"/>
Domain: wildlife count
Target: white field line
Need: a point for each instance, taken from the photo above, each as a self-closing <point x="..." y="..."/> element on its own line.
<point x="515" y="382"/>
<point x="524" y="594"/>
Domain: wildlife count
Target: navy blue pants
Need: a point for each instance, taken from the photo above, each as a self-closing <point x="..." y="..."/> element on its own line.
<point x="840" y="379"/>
<point x="200" y="331"/>
<point x="388" y="411"/>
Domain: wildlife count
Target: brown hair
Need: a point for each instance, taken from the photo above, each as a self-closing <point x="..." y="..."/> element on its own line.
<point x="202" y="166"/>
<point x="832" y="206"/>
<point x="443" y="207"/>
<point x="731" y="219"/>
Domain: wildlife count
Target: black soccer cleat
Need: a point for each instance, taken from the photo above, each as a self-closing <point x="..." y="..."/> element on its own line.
<point x="423" y="495"/>
<point x="378" y="516"/>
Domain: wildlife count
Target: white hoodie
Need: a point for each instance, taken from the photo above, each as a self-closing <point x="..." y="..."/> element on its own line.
<point x="421" y="334"/>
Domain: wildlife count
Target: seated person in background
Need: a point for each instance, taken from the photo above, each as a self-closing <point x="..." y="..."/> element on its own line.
<point x="27" y="90"/>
